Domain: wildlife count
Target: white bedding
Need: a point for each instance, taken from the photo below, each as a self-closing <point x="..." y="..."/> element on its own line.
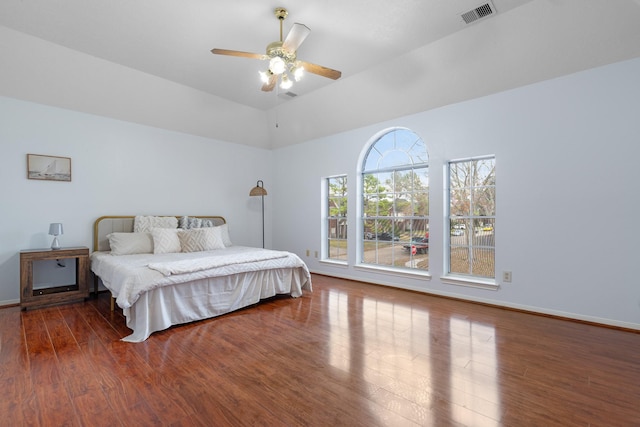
<point x="128" y="276"/>
<point x="198" y="285"/>
<point x="218" y="261"/>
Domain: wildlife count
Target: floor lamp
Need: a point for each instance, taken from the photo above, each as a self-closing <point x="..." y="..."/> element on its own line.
<point x="259" y="190"/>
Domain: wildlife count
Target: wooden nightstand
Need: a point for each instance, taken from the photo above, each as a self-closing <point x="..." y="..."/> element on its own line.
<point x="58" y="294"/>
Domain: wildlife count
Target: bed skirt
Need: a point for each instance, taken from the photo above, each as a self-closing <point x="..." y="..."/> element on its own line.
<point x="163" y="307"/>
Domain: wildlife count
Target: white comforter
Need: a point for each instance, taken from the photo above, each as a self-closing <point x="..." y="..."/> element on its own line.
<point x="129" y="276"/>
<point x="198" y="264"/>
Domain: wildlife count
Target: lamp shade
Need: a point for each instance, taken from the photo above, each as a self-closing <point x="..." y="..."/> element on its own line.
<point x="277" y="65"/>
<point x="55" y="229"/>
<point x="258" y="190"/>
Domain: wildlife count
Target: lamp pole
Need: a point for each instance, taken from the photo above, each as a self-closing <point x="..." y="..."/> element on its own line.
<point x="259" y="190"/>
<point x="262" y="200"/>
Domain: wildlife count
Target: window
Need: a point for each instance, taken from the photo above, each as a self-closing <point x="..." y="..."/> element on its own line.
<point x="337" y="218"/>
<point x="395" y="202"/>
<point x="472" y="217"/>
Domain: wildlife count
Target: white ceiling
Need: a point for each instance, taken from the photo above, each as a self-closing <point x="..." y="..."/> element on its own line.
<point x="173" y="39"/>
<point x="402" y="56"/>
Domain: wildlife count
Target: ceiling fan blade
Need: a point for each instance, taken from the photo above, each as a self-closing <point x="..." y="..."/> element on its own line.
<point x="268" y="86"/>
<point x="321" y="71"/>
<point x="296" y="36"/>
<point x="238" y="53"/>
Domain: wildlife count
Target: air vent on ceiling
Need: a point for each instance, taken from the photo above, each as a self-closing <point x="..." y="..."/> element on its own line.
<point x="287" y="95"/>
<point x="479" y="12"/>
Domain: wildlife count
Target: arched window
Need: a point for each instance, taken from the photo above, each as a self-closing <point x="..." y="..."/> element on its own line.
<point x="395" y="201"/>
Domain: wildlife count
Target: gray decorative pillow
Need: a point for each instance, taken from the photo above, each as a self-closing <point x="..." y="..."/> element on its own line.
<point x="188" y="223"/>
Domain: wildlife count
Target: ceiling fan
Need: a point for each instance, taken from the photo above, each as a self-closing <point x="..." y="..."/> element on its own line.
<point x="283" y="62"/>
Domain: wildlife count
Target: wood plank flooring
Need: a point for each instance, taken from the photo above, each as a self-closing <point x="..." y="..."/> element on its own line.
<point x="346" y="354"/>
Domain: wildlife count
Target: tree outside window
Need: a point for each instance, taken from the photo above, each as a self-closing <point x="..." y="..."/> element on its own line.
<point x="472" y="217"/>
<point x="337" y="218"/>
<point x="395" y="202"/>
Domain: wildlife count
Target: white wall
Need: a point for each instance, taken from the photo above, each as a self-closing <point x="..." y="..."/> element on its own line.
<point x="40" y="71"/>
<point x="566" y="150"/>
<point x="567" y="153"/>
<point x="118" y="168"/>
<point x="509" y="50"/>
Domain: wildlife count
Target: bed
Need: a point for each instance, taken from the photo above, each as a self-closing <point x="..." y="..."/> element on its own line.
<point x="157" y="285"/>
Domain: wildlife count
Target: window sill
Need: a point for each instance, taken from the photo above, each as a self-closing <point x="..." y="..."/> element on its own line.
<point x="334" y="262"/>
<point x="472" y="282"/>
<point x="395" y="271"/>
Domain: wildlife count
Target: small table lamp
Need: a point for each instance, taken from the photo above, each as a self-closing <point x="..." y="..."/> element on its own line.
<point x="55" y="229"/>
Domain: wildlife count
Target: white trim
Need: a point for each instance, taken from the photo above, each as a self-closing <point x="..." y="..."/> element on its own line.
<point x="334" y="262"/>
<point x="466" y="159"/>
<point x="325" y="193"/>
<point x="414" y="273"/>
<point x="473" y="282"/>
<point x="496" y="303"/>
<point x="452" y="279"/>
<point x="360" y="172"/>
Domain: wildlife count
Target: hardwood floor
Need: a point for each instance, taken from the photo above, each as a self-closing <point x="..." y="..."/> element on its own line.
<point x="347" y="354"/>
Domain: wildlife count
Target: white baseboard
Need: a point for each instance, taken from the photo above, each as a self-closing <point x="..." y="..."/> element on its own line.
<point x="522" y="307"/>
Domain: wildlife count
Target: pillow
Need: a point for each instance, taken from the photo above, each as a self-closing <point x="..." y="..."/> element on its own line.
<point x="165" y="240"/>
<point x="143" y="224"/>
<point x="224" y="231"/>
<point x="188" y="223"/>
<point x="201" y="239"/>
<point x="130" y="243"/>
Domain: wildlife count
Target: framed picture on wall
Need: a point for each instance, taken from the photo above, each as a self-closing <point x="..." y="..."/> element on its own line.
<point x="49" y="168"/>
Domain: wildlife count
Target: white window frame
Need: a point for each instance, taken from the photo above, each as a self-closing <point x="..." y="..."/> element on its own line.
<point x="456" y="278"/>
<point x="360" y="232"/>
<point x="327" y="218"/>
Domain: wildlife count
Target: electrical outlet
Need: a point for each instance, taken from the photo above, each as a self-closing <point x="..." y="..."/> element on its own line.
<point x="316" y="254"/>
<point x="506" y="276"/>
<point x="308" y="252"/>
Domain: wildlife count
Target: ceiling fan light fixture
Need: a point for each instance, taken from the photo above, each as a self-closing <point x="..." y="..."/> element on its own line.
<point x="282" y="57"/>
<point x="277" y="65"/>
<point x="297" y="71"/>
<point x="265" y="76"/>
<point x="285" y="82"/>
